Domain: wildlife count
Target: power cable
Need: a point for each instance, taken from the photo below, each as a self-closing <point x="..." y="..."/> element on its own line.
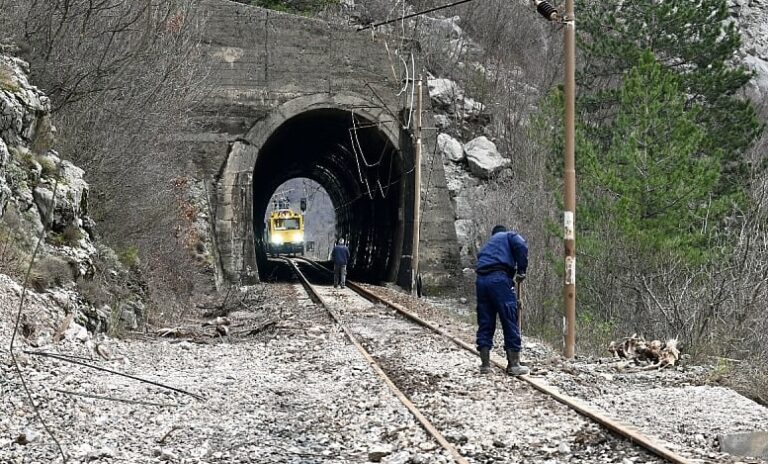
<point x="404" y="17"/>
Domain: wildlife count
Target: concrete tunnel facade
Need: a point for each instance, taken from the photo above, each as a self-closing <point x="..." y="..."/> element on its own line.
<point x="297" y="97"/>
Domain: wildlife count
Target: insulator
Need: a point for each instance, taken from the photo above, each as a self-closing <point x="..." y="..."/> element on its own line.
<point x="546" y="9"/>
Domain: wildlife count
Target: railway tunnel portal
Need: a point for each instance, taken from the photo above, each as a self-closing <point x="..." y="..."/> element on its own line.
<point x="353" y="154"/>
<point x="293" y="97"/>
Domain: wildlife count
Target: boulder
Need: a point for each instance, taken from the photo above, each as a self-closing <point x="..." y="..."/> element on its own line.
<point x="447" y="96"/>
<point x="444" y="92"/>
<point x="483" y="157"/>
<point x="450" y="148"/>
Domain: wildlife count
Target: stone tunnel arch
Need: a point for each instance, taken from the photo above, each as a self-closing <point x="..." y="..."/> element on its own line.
<point x="353" y="148"/>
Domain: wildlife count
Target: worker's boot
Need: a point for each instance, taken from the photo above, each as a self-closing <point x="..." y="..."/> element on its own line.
<point x="513" y="364"/>
<point x="485" y="360"/>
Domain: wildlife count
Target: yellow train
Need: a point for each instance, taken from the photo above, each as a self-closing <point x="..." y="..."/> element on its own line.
<point x="285" y="230"/>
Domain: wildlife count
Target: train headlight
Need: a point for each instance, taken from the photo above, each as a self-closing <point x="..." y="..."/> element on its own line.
<point x="298" y="237"/>
<point x="276" y="240"/>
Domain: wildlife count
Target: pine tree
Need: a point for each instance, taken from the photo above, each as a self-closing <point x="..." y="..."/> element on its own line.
<point x="690" y="38"/>
<point x="650" y="177"/>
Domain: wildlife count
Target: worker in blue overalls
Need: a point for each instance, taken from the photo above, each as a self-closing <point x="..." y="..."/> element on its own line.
<point x="502" y="261"/>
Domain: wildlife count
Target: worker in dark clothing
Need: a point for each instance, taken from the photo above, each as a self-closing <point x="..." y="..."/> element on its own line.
<point x="502" y="261"/>
<point x="340" y="257"/>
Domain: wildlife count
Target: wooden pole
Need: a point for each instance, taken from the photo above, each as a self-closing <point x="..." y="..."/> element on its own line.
<point x="569" y="290"/>
<point x="416" y="194"/>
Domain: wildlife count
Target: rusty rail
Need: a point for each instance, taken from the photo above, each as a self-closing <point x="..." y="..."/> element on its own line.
<point x="425" y="423"/>
<point x="577" y="405"/>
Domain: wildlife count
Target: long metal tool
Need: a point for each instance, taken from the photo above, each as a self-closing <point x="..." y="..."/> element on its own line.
<point x="519" y="292"/>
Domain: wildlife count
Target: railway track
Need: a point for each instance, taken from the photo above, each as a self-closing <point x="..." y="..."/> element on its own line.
<point x="474" y="418"/>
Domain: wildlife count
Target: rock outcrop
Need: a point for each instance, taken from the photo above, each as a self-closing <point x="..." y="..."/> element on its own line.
<point x="751" y="18"/>
<point x="45" y="196"/>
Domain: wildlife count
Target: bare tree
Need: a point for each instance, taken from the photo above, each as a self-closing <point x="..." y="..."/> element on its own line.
<point x="121" y="75"/>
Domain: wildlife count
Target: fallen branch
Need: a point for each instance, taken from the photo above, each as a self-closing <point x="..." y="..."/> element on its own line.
<point x="162" y="439"/>
<point x="73" y="361"/>
<point x="258" y="329"/>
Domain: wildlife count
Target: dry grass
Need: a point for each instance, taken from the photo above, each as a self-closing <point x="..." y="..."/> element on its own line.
<point x="7" y="80"/>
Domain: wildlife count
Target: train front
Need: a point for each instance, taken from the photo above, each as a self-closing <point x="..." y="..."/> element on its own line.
<point x="286" y="233"/>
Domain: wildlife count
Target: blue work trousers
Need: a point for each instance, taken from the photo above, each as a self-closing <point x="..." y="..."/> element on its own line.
<point x="496" y="295"/>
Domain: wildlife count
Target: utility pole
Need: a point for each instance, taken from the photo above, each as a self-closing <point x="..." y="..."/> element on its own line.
<point x="416" y="194"/>
<point x="569" y="215"/>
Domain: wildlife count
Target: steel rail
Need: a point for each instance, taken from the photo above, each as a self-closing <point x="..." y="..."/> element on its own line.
<point x="425" y="423"/>
<point x="627" y="431"/>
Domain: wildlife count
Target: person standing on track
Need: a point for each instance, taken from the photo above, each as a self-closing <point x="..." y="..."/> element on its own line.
<point x="501" y="262"/>
<point x="340" y="257"/>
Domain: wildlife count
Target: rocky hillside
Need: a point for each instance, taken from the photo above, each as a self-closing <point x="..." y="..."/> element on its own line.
<point x="45" y="196"/>
<point x="751" y="17"/>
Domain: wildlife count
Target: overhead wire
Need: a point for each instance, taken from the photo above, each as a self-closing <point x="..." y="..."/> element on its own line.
<point x="412" y="15"/>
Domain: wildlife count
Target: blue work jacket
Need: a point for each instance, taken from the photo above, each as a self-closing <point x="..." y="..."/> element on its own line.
<point x="505" y="251"/>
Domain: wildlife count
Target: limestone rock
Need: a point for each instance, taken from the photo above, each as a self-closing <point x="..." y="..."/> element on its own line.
<point x="448" y="96"/>
<point x="450" y="148"/>
<point x="483" y="157"/>
<point x="751" y="18"/>
<point x="444" y="92"/>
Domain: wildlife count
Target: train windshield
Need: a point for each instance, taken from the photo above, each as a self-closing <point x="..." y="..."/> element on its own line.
<point x="286" y="224"/>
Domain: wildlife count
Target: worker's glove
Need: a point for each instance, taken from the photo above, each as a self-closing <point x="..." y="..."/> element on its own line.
<point x="519" y="278"/>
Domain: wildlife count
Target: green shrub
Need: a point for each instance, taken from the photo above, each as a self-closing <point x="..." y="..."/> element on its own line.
<point x="129" y="256"/>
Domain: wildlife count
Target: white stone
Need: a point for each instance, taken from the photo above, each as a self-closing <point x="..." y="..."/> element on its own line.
<point x="483" y="157"/>
<point x="73" y="332"/>
<point x="444" y="92"/>
<point x="450" y="148"/>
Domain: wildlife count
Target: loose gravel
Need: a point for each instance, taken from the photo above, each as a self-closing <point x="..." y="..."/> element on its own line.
<point x="674" y="406"/>
<point x="298" y="392"/>
<point x="301" y="394"/>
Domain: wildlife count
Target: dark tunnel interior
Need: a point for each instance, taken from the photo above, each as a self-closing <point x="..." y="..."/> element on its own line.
<point x="362" y="172"/>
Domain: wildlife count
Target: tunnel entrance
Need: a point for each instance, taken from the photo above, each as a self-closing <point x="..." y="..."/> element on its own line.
<point x="359" y="166"/>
